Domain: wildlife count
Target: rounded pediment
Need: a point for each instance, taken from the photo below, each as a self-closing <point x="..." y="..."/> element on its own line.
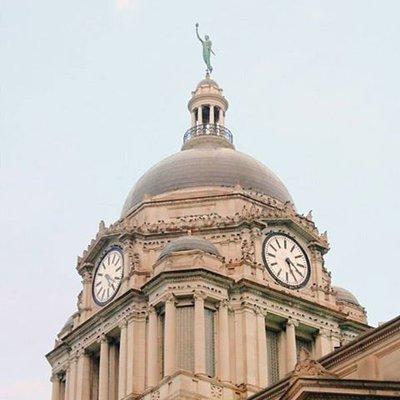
<point x="188" y="243"/>
<point x="344" y="295"/>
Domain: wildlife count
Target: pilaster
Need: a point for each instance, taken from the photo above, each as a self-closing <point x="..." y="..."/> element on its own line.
<point x="223" y="334"/>
<point x="152" y="349"/>
<point x="104" y="369"/>
<point x="199" y="334"/>
<point x="169" y="339"/>
<point x="323" y="344"/>
<point x="122" y="361"/>
<point x="56" y="388"/>
<point x="262" y="349"/>
<point x="291" y="353"/>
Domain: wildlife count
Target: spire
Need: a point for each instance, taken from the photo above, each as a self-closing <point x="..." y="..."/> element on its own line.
<point x="207" y="108"/>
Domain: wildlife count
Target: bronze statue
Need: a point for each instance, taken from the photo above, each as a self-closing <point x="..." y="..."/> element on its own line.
<point x="207" y="50"/>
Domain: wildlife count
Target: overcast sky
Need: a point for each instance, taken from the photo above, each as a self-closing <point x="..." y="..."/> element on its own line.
<point x="94" y="92"/>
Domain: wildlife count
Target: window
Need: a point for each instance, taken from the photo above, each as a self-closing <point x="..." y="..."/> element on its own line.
<point x="272" y="356"/>
<point x="301" y="342"/>
<point x="210" y="341"/>
<point x="161" y="330"/>
<point x="185" y="337"/>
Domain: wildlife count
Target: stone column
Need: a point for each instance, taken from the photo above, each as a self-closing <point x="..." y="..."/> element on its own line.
<point x="129" y="356"/>
<point x="169" y="337"/>
<point x="67" y="382"/>
<point x="221" y="117"/>
<point x="291" y="353"/>
<point x="152" y="347"/>
<point x="212" y="118"/>
<point x="104" y="369"/>
<point x="72" y="379"/>
<point x="193" y="118"/>
<point x="199" y="335"/>
<point x="223" y="334"/>
<point x="238" y="315"/>
<point x="83" y="381"/>
<point x="262" y="349"/>
<point x="122" y="361"/>
<point x="322" y="343"/>
<point x="200" y="115"/>
<point x="56" y="388"/>
<point x="139" y="353"/>
<point x="113" y="376"/>
<point x="249" y="324"/>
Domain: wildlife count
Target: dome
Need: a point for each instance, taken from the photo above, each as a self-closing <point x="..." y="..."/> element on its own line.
<point x="206" y="166"/>
<point x="208" y="81"/>
<point x="188" y="243"/>
<point x="207" y="158"/>
<point x="346" y="296"/>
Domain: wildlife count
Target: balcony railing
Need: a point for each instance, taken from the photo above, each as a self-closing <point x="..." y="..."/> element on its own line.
<point x="208" y="130"/>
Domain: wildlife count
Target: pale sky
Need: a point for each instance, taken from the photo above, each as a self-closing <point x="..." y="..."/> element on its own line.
<point x="94" y="92"/>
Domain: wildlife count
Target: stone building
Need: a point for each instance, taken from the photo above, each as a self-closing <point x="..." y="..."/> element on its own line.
<point x="208" y="285"/>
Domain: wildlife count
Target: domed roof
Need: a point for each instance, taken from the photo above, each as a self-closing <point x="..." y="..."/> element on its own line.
<point x="345" y="295"/>
<point x="208" y="81"/>
<point x="186" y="243"/>
<point x="206" y="166"/>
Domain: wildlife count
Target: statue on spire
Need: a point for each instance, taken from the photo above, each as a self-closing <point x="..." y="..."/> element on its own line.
<point x="207" y="50"/>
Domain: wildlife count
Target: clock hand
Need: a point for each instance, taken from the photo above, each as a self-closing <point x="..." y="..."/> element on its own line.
<point x="297" y="270"/>
<point x="290" y="268"/>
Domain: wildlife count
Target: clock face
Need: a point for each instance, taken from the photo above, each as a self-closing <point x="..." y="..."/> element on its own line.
<point x="108" y="277"/>
<point x="286" y="261"/>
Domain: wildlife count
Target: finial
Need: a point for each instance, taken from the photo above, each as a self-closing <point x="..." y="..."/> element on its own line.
<point x="207" y="50"/>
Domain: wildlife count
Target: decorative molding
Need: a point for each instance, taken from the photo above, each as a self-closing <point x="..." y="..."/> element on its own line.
<point x="306" y="366"/>
<point x="216" y="392"/>
<point x="266" y="209"/>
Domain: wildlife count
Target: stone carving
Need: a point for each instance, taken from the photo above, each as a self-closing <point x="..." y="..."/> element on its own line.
<point x="155" y="395"/>
<point x="268" y="209"/>
<point x="306" y="366"/>
<point x="79" y="303"/>
<point x="134" y="260"/>
<point x="216" y="392"/>
<point x="248" y="253"/>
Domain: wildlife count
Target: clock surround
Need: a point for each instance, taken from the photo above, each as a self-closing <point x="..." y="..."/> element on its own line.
<point x="307" y="267"/>
<point x="118" y="278"/>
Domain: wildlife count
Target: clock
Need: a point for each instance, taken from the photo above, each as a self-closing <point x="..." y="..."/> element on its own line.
<point x="286" y="261"/>
<point x="108" y="276"/>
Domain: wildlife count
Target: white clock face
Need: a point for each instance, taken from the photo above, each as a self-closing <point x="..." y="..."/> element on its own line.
<point x="108" y="277"/>
<point x="286" y="260"/>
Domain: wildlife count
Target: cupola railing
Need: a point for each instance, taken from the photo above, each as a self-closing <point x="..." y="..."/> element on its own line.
<point x="208" y="130"/>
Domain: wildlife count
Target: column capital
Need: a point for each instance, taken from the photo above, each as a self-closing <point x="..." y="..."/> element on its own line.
<point x="123" y="323"/>
<point x="170" y="298"/>
<point x="324" y="332"/>
<point x="199" y="295"/>
<point x="73" y="359"/>
<point x="104" y="338"/>
<point x="246" y="305"/>
<point x="260" y="311"/>
<point x="151" y="310"/>
<point x="223" y="304"/>
<point x="292" y="322"/>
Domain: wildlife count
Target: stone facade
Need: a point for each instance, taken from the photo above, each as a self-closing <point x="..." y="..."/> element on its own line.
<point x="202" y="318"/>
<point x="366" y="368"/>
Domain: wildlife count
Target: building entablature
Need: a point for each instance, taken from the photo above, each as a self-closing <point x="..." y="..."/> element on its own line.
<point x="247" y="210"/>
<point x="130" y="305"/>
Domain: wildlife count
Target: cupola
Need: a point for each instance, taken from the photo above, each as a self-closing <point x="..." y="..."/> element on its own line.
<point x="207" y="108"/>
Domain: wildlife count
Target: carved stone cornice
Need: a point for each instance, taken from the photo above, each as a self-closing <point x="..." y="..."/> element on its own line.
<point x="264" y="209"/>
